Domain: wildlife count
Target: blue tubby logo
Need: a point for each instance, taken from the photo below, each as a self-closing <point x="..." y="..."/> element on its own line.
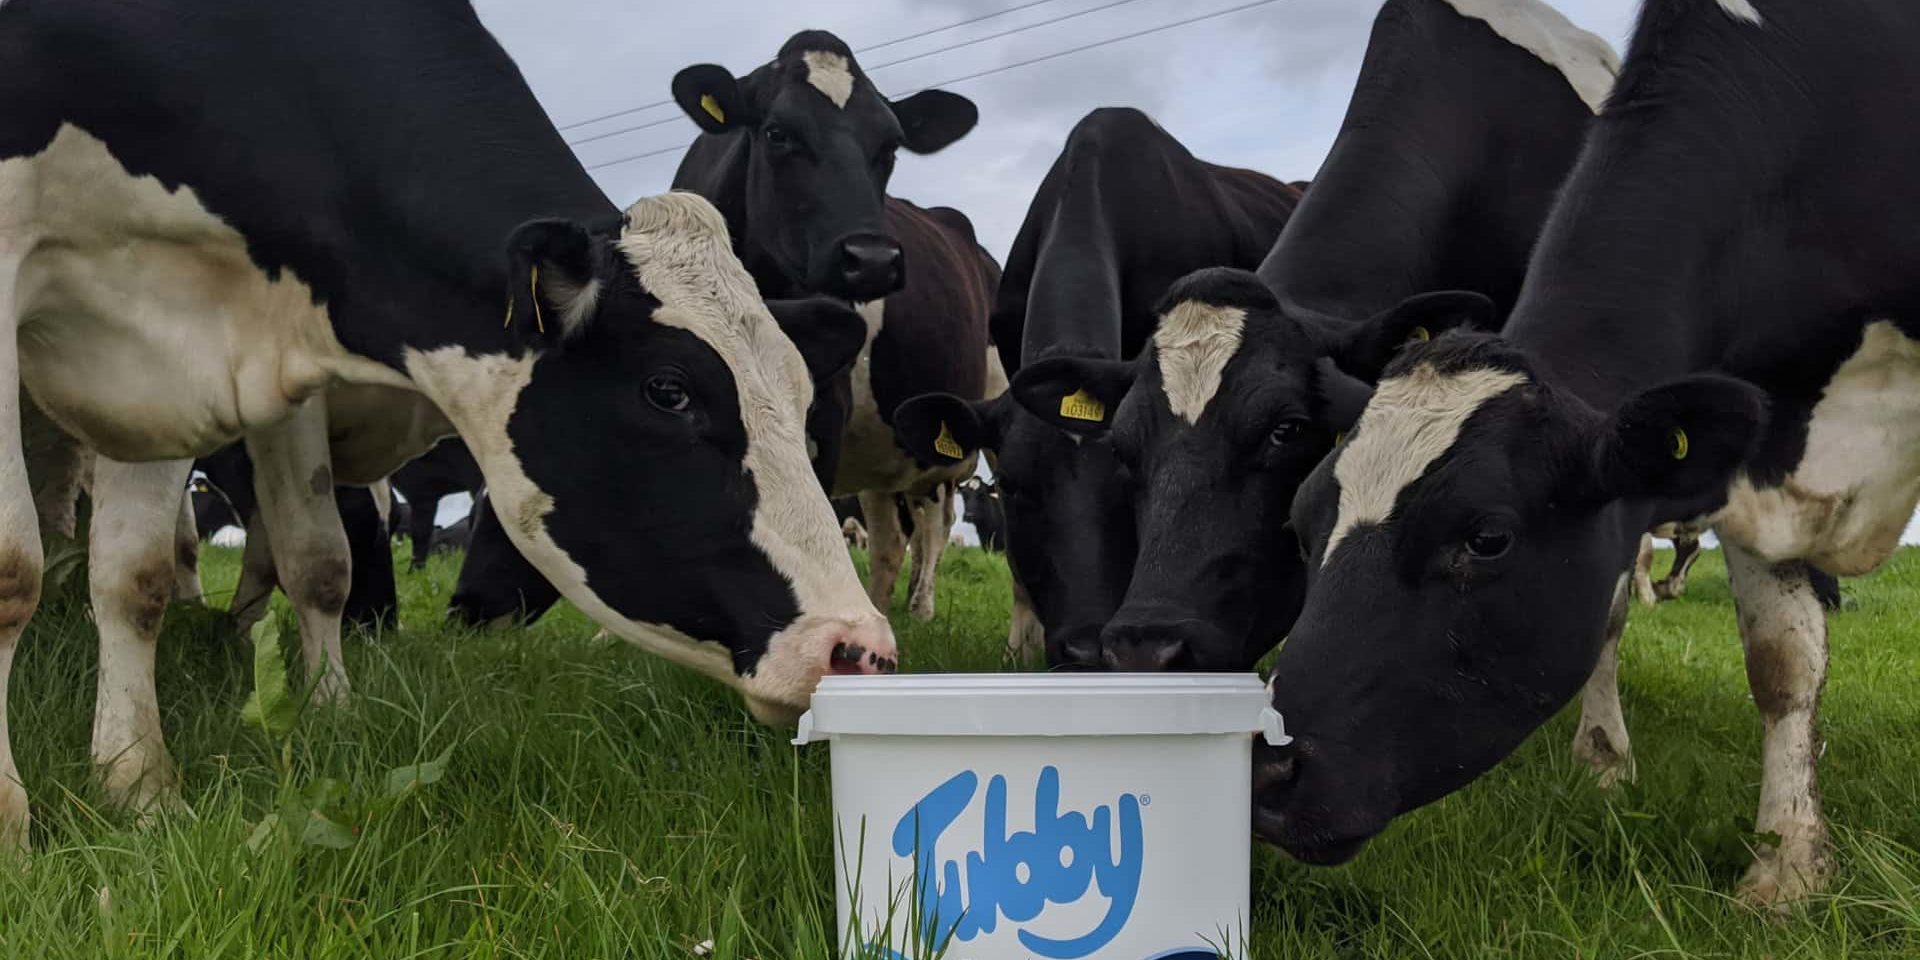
<point x="1015" y="876"/>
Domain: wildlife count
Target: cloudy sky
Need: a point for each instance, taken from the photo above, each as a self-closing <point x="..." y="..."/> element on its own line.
<point x="1262" y="87"/>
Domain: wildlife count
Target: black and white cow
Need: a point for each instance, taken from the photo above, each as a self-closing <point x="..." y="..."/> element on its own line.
<point x="1743" y="207"/>
<point x="212" y="212"/>
<point x="212" y="511"/>
<point x="981" y="504"/>
<point x="1686" y="550"/>
<point x="796" y="155"/>
<point x="445" y="470"/>
<point x="1124" y="211"/>
<point x="1443" y="170"/>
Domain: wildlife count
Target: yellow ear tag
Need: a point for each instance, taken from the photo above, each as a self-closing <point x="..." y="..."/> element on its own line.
<point x="1419" y="335"/>
<point x="945" y="445"/>
<point x="1680" y="445"/>
<point x="1080" y="405"/>
<point x="533" y="286"/>
<point x="712" y="107"/>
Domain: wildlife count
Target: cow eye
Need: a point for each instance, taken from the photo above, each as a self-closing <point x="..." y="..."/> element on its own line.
<point x="777" y="136"/>
<point x="1289" y="431"/>
<point x="1490" y="543"/>
<point x="669" y="393"/>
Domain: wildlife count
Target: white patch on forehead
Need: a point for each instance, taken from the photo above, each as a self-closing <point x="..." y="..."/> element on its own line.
<point x="1741" y="10"/>
<point x="830" y="74"/>
<point x="1588" y="62"/>
<point x="1410" y="422"/>
<point x="1192" y="346"/>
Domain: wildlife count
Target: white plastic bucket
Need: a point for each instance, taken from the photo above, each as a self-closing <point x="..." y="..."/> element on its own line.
<point x="1065" y="817"/>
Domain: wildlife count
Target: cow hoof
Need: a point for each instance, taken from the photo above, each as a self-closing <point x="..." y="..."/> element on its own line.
<point x="141" y="782"/>
<point x="15" y="817"/>
<point x="1782" y="877"/>
<point x="1611" y="764"/>
<point x="333" y="689"/>
<point x="921" y="609"/>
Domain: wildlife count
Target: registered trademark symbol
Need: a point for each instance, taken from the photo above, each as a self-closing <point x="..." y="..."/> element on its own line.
<point x="1146" y="800"/>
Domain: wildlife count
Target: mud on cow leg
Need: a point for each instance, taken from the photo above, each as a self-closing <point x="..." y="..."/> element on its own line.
<point x="1600" y="741"/>
<point x="308" y="544"/>
<point x="1784" y="631"/>
<point x="886" y="548"/>
<point x="932" y="519"/>
<point x="186" y="554"/>
<point x="131" y="577"/>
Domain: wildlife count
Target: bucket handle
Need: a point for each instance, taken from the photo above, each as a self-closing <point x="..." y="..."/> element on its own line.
<point x="1272" y="726"/>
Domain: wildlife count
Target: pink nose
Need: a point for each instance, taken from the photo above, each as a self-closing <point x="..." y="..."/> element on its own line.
<point x="863" y="650"/>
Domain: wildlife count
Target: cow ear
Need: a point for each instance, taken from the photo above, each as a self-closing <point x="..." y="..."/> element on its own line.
<point x="712" y="98"/>
<point x="1342" y="397"/>
<point x="1365" y="349"/>
<point x="1076" y="394"/>
<point x="932" y="120"/>
<point x="1680" y="441"/>
<point x="828" y="333"/>
<point x="940" y="429"/>
<point x="556" y="271"/>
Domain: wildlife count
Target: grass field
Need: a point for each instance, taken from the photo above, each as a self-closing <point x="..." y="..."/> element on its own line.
<point x="595" y="804"/>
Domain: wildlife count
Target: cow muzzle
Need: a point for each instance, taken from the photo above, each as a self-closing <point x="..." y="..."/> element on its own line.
<point x="781" y="686"/>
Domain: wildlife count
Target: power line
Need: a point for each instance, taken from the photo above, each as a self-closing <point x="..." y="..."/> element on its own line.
<point x="623" y="131"/>
<point x="1016" y="8"/>
<point x="1002" y="69"/>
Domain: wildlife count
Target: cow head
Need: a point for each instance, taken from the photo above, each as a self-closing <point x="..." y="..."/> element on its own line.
<point x="644" y="448"/>
<point x="1069" y="531"/>
<point x="814" y="148"/>
<point x="1218" y="421"/>
<point x="1464" y="544"/>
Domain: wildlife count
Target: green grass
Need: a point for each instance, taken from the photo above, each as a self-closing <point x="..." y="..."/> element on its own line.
<point x="595" y="803"/>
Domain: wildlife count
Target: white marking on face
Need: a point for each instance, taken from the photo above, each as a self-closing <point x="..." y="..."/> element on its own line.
<point x="127" y="282"/>
<point x="1858" y="481"/>
<point x="830" y="74"/>
<point x="1411" y="421"/>
<point x="1192" y="346"/>
<point x="1588" y="62"/>
<point x="1741" y="10"/>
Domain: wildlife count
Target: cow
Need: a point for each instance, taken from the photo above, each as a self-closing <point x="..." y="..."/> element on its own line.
<point x="1124" y="211"/>
<point x="213" y="213"/>
<point x="212" y="511"/>
<point x="1717" y="327"/>
<point x="445" y="470"/>
<point x="1686" y="550"/>
<point x="797" y="155"/>
<point x="981" y="502"/>
<point x="1233" y="402"/>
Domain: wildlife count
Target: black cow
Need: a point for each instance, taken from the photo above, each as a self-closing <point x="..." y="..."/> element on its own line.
<point x="445" y="470"/>
<point x="985" y="511"/>
<point x="1743" y="207"/>
<point x="1229" y="409"/>
<point x="1124" y="211"/>
<point x="223" y="207"/>
<point x="796" y="155"/>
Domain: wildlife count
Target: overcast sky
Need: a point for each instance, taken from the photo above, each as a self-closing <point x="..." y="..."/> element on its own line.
<point x="1263" y="87"/>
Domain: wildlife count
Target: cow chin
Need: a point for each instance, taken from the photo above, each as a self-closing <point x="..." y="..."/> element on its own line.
<point x="1318" y="815"/>
<point x="781" y="685"/>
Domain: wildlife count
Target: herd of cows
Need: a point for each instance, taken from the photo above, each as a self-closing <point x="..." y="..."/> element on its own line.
<point x="1416" y="417"/>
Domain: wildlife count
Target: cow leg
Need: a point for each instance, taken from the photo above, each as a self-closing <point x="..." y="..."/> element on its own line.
<point x="1785" y="635"/>
<point x="131" y="567"/>
<point x="294" y="480"/>
<point x="1600" y="741"/>
<point x="254" y="591"/>
<point x="186" y="553"/>
<point x="886" y="548"/>
<point x="420" y="529"/>
<point x="1026" y="638"/>
<point x="373" y="601"/>
<point x="1685" y="551"/>
<point x="1643" y="572"/>
<point x="932" y="521"/>
<point x="20" y="554"/>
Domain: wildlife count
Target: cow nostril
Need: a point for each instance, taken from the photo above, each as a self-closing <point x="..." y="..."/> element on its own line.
<point x="1275" y="770"/>
<point x="847" y="658"/>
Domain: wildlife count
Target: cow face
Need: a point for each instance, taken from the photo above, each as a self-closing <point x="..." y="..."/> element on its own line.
<point x="1218" y="421"/>
<point x="1464" y="544"/>
<point x="1069" y="528"/>
<point x="819" y="143"/>
<point x="645" y="450"/>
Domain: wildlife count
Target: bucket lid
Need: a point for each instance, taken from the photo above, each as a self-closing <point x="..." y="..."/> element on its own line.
<point x="1040" y="705"/>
